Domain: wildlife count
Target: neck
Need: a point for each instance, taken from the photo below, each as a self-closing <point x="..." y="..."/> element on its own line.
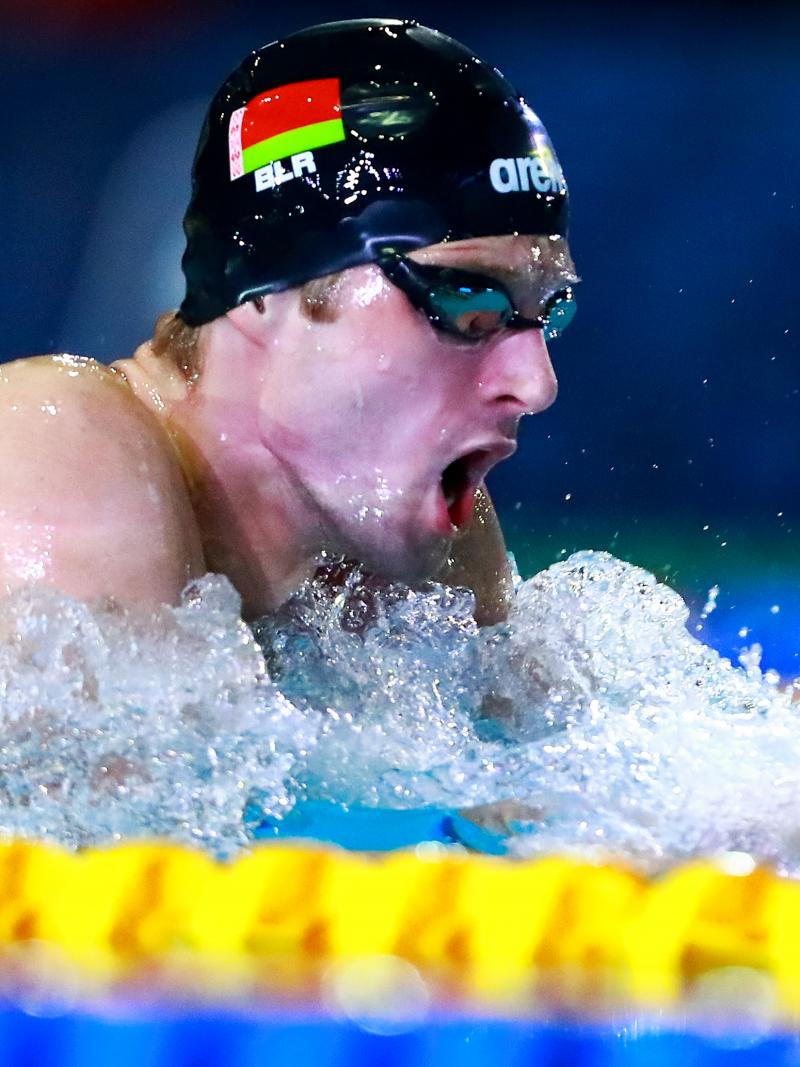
<point x="254" y="525"/>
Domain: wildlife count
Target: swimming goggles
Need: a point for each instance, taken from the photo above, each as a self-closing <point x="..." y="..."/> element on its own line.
<point x="468" y="305"/>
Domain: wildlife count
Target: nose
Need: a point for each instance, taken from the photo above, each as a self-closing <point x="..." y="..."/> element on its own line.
<point x="518" y="374"/>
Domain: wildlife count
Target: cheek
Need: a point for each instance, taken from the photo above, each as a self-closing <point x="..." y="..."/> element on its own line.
<point x="369" y="370"/>
<point x="373" y="379"/>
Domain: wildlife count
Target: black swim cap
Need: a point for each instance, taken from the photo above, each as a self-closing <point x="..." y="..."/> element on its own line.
<point x="345" y="138"/>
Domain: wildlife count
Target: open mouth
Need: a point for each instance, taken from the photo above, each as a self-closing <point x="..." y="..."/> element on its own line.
<point x="460" y="479"/>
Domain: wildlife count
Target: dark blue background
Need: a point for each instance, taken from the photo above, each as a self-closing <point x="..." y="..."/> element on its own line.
<point x="674" y="441"/>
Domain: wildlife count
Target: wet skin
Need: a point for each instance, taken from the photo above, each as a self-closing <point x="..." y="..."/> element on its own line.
<point x="299" y="435"/>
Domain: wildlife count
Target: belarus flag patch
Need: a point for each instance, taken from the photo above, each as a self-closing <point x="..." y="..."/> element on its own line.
<point x="285" y="120"/>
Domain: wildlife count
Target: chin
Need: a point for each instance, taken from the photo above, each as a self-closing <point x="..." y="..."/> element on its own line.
<point x="410" y="561"/>
<point x="412" y="572"/>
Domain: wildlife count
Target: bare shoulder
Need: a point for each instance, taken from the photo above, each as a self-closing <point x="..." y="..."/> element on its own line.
<point x="50" y="396"/>
<point x="92" y="498"/>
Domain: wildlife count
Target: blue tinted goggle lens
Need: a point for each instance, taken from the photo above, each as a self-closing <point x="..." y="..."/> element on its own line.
<point x="559" y="313"/>
<point x="469" y="310"/>
<point x="470" y="305"/>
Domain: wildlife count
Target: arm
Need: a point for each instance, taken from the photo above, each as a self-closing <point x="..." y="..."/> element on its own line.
<point x="479" y="561"/>
<point x="93" y="501"/>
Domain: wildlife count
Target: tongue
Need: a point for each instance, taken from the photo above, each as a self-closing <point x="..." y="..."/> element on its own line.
<point x="460" y="511"/>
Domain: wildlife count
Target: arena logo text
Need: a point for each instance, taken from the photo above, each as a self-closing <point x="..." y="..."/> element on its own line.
<point x="522" y="173"/>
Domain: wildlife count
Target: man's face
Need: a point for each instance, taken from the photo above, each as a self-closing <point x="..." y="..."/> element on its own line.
<point x="384" y="425"/>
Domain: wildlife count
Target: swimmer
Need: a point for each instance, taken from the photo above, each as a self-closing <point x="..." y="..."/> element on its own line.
<point x="376" y="261"/>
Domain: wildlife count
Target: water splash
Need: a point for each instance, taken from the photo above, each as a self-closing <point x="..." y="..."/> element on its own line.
<point x="121" y="723"/>
<point x="608" y="726"/>
<point x="397" y="676"/>
<point x="661" y="749"/>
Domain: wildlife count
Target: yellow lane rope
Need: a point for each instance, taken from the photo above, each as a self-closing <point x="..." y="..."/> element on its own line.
<point x="492" y="928"/>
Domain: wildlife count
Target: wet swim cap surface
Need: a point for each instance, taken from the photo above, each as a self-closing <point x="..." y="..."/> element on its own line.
<point x="345" y="138"/>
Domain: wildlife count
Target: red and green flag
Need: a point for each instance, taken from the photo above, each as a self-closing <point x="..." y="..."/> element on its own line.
<point x="285" y="120"/>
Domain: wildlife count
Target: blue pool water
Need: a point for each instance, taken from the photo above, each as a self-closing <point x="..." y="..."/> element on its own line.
<point x="765" y="611"/>
<point x="281" y="1039"/>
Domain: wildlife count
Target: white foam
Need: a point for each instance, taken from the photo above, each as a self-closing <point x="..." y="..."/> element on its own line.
<point x="128" y="723"/>
<point x="612" y="728"/>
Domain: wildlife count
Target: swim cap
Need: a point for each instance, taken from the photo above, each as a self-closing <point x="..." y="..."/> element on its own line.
<point x="349" y="137"/>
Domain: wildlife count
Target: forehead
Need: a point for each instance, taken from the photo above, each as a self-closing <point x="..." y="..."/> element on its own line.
<point x="511" y="257"/>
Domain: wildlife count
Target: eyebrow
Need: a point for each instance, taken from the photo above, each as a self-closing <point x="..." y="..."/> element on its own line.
<point x="508" y="275"/>
<point x="546" y="276"/>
